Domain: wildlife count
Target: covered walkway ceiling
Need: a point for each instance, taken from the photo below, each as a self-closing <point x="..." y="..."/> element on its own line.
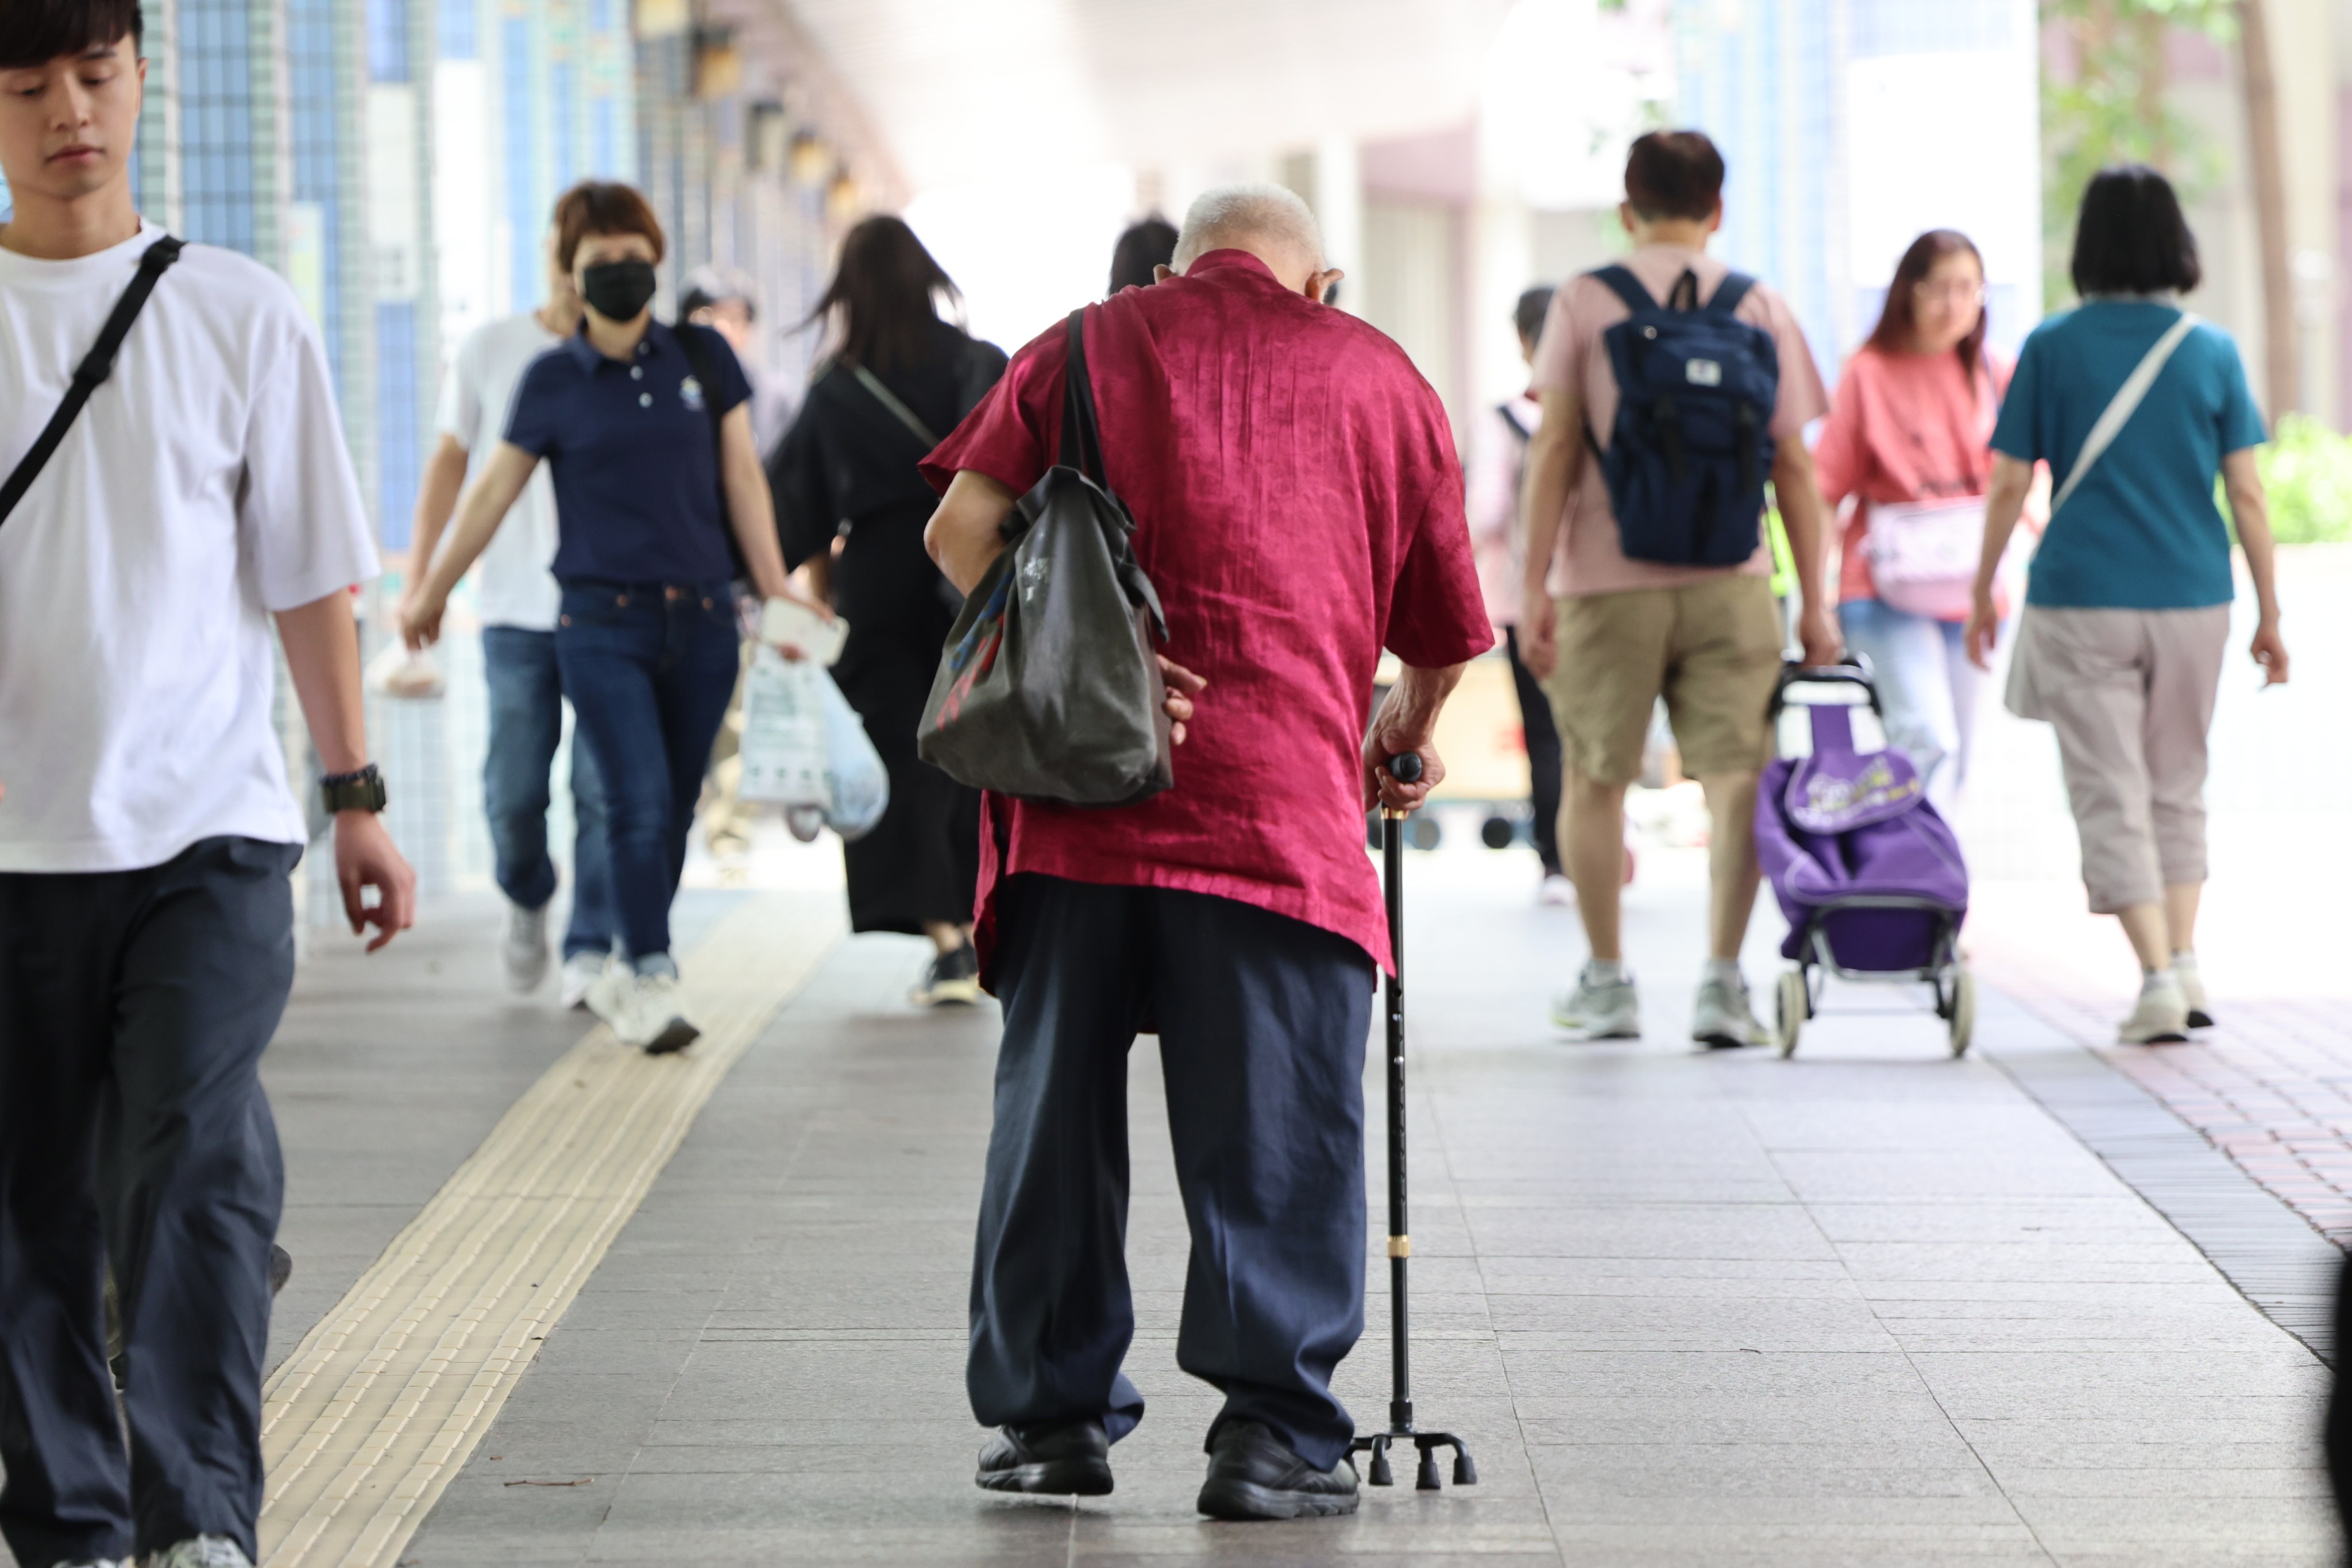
<point x="967" y="90"/>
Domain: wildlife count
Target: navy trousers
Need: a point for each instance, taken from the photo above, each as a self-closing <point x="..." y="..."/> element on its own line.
<point x="135" y="1007"/>
<point x="1262" y="1023"/>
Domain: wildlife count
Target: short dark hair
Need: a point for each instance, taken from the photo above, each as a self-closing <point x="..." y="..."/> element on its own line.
<point x="603" y="206"/>
<point x="1528" y="314"/>
<point x="2130" y="236"/>
<point x="1673" y="173"/>
<point x="38" y="31"/>
<point x="1148" y="243"/>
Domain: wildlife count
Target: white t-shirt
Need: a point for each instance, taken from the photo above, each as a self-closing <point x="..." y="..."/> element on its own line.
<point x="205" y="485"/>
<point x="514" y="587"/>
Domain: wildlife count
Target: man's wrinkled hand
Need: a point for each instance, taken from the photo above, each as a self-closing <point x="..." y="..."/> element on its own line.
<point x="367" y="858"/>
<point x="1182" y="686"/>
<point x="1392" y="794"/>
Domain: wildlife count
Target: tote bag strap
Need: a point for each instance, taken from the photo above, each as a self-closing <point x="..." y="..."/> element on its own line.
<point x="95" y="367"/>
<point x="2121" y="408"/>
<point x="1081" y="430"/>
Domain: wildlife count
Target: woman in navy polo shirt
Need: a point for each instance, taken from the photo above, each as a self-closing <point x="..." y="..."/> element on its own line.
<point x="623" y="414"/>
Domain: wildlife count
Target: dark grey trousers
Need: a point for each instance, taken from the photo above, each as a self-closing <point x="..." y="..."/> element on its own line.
<point x="135" y="1007"/>
<point x="1262" y="1023"/>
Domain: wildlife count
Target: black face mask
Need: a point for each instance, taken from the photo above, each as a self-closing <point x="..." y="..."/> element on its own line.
<point x="617" y="290"/>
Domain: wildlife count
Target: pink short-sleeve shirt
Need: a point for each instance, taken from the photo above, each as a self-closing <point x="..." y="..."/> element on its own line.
<point x="1569" y="358"/>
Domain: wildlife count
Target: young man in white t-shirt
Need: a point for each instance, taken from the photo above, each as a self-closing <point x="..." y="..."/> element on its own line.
<point x="517" y="598"/>
<point x="147" y="833"/>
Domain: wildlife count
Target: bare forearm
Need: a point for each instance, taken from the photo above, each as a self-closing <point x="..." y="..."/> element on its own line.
<point x="1802" y="511"/>
<point x="1553" y="454"/>
<point x="322" y="655"/>
<point x="1419" y="695"/>
<point x="751" y="507"/>
<point x="2004" y="501"/>
<point x="2249" y="510"/>
<point x="966" y="534"/>
<point x="437" y="500"/>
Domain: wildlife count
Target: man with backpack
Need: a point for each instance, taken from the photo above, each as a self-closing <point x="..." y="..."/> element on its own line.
<point x="1672" y="388"/>
<point x="177" y="481"/>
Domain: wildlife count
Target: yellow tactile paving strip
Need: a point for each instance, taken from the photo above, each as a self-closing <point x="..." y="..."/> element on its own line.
<point x="365" y="1424"/>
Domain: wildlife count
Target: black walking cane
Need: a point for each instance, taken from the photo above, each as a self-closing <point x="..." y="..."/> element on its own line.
<point x="1406" y="769"/>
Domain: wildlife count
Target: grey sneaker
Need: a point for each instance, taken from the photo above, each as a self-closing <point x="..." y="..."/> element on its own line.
<point x="643" y="1010"/>
<point x="1722" y="1018"/>
<point x="1599" y="1008"/>
<point x="201" y="1552"/>
<point x="2161" y="1017"/>
<point x="526" y="948"/>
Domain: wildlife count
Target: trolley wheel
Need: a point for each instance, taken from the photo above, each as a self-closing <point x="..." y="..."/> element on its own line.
<point x="1964" y="1011"/>
<point x="1794" y="1005"/>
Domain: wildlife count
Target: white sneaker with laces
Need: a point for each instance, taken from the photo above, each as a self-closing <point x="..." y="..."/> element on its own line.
<point x="201" y="1552"/>
<point x="2161" y="1017"/>
<point x="526" y="948"/>
<point x="2192" y="989"/>
<point x="1722" y="1018"/>
<point x="1603" y="1006"/>
<point x="653" y="1016"/>
<point x="580" y="972"/>
<point x="1555" y="892"/>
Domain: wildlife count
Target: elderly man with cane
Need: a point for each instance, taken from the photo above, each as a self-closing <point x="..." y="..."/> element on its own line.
<point x="1298" y="506"/>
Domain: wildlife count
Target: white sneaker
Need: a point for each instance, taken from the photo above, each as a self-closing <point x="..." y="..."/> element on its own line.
<point x="1557" y="892"/>
<point x="99" y="1562"/>
<point x="643" y="1010"/>
<point x="2162" y="1016"/>
<point x="580" y="972"/>
<point x="2192" y="989"/>
<point x="526" y="950"/>
<point x="1601" y="1007"/>
<point x="1722" y="1018"/>
<point x="201" y="1552"/>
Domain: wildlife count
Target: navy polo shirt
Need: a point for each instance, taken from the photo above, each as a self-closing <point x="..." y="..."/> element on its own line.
<point x="631" y="448"/>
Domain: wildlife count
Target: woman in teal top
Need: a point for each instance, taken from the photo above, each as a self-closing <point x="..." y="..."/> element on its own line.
<point x="2127" y="607"/>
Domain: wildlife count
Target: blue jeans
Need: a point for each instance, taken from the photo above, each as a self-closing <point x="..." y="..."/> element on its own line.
<point x="1262" y="1023"/>
<point x="649" y="669"/>
<point x="526" y="726"/>
<point x="1929" y="688"/>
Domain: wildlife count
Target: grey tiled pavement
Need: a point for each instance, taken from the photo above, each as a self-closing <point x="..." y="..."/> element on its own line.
<point x="1869" y="1306"/>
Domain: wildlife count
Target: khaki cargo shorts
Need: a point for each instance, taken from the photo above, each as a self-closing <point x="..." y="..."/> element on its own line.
<point x="1711" y="648"/>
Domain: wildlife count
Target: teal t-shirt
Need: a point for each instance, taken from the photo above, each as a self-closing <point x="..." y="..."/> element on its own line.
<point x="2141" y="532"/>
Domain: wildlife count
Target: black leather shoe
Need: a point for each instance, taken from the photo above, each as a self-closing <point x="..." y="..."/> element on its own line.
<point x="1253" y="1474"/>
<point x="1072" y="1459"/>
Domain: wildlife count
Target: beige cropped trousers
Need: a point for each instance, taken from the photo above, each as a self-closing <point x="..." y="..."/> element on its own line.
<point x="2130" y="693"/>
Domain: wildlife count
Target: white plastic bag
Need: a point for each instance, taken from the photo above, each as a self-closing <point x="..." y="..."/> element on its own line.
<point x="785" y="750"/>
<point x="804" y="749"/>
<point x="860" y="783"/>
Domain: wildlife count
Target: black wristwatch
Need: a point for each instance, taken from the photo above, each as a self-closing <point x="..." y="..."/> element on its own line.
<point x="362" y="791"/>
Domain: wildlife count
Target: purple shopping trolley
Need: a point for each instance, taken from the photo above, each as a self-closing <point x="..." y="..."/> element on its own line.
<point x="1868" y="871"/>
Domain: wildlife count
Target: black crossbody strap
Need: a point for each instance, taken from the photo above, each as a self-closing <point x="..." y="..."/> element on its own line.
<point x="95" y="367"/>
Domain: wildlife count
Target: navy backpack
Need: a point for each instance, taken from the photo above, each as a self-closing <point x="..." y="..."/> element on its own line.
<point x="1693" y="442"/>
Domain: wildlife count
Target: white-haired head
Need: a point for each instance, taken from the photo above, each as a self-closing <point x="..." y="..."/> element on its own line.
<point x="1233" y="216"/>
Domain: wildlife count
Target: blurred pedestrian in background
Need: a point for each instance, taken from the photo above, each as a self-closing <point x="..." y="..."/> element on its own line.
<point x="1498" y="459"/>
<point x="1910" y="426"/>
<point x="1146" y="245"/>
<point x="2128" y="608"/>
<point x="850" y="506"/>
<point x="651" y="467"/>
<point x="516" y="597"/>
<point x="1611" y="633"/>
<point x="1235" y="913"/>
<point x="724" y="301"/>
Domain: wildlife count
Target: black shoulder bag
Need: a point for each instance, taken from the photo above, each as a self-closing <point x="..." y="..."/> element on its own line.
<point x="1049" y="687"/>
<point x="95" y="367"/>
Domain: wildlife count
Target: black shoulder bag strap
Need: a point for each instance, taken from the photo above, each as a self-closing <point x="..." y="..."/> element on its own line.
<point x="1082" y="450"/>
<point x="697" y="359"/>
<point x="95" y="367"/>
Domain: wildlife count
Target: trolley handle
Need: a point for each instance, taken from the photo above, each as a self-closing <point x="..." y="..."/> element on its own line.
<point x="1852" y="669"/>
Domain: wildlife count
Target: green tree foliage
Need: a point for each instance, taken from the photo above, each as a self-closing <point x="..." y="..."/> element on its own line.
<point x="2112" y="109"/>
<point x="2308" y="473"/>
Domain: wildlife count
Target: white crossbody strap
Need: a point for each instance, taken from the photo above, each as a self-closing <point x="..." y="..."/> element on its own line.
<point x="2121" y="408"/>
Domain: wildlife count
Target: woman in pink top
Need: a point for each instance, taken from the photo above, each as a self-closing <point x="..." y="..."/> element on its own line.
<point x="1912" y="423"/>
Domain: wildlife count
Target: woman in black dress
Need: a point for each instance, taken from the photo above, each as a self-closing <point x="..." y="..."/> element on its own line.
<point x="850" y="506"/>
